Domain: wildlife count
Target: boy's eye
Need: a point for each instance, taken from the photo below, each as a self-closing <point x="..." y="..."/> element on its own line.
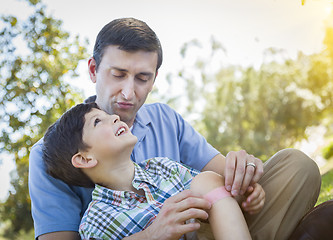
<point x="97" y="120"/>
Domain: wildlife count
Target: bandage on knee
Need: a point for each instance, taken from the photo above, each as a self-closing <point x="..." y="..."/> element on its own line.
<point x="217" y="194"/>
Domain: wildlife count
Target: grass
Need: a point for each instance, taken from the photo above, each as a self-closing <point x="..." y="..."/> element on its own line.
<point x="326" y="191"/>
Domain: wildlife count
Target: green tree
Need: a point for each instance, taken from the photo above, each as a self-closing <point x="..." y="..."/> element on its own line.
<point x="261" y="110"/>
<point x="326" y="84"/>
<point x="36" y="57"/>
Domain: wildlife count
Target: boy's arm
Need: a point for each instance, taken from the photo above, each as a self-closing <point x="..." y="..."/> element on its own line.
<point x="238" y="176"/>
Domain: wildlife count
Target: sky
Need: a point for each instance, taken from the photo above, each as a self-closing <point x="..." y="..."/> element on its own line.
<point x="244" y="28"/>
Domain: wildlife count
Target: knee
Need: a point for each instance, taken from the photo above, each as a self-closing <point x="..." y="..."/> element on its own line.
<point x="206" y="181"/>
<point x="297" y="161"/>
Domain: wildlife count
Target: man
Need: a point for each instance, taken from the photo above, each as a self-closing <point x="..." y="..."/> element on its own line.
<point x="124" y="66"/>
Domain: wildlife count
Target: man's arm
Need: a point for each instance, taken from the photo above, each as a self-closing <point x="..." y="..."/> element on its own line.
<point x="55" y="206"/>
<point x="60" y="235"/>
<point x="217" y="164"/>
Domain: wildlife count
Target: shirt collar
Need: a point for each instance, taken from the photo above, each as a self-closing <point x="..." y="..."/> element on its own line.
<point x="142" y="117"/>
<point x="108" y="195"/>
<point x="141" y="175"/>
<point x="141" y="121"/>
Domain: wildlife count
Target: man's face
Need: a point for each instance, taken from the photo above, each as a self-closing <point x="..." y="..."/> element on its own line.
<point x="123" y="81"/>
<point x="106" y="135"/>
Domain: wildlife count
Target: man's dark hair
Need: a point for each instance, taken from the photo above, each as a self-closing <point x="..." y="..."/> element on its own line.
<point x="62" y="141"/>
<point x="129" y="34"/>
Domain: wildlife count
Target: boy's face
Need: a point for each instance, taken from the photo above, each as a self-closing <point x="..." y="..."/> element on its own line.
<point x="123" y="81"/>
<point x="106" y="135"/>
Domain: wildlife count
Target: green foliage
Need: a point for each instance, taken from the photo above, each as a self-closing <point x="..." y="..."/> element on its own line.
<point x="328" y="151"/>
<point x="261" y="110"/>
<point x="36" y="56"/>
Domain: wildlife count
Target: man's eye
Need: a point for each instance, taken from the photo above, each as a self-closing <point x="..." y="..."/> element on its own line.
<point x="97" y="120"/>
<point x="143" y="79"/>
<point x="118" y="76"/>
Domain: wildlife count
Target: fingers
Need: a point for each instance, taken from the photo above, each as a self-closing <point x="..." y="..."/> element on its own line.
<point x="229" y="171"/>
<point x="176" y="210"/>
<point x="187" y="199"/>
<point x="189" y="227"/>
<point x="238" y="175"/>
<point x="186" y="205"/>
<point x="193" y="213"/>
<point x="255" y="208"/>
<point x="249" y="174"/>
<point x="255" y="201"/>
<point x="259" y="170"/>
<point x="234" y="171"/>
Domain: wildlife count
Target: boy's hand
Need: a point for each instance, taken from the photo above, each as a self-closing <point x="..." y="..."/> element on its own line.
<point x="170" y="222"/>
<point x="255" y="199"/>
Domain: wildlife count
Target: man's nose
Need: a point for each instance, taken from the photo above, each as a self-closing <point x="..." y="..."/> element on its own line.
<point x="128" y="89"/>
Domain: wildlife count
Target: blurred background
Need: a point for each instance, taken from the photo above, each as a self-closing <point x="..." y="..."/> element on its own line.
<point x="254" y="75"/>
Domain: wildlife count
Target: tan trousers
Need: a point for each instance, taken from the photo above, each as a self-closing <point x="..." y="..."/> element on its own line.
<point x="291" y="182"/>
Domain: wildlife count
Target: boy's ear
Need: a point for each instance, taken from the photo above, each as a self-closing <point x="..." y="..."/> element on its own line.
<point x="81" y="161"/>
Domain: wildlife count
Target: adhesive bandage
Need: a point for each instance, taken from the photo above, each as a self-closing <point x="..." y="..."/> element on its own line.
<point x="217" y="194"/>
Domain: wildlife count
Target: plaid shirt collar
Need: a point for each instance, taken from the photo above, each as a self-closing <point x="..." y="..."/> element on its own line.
<point x="123" y="198"/>
<point x="141" y="175"/>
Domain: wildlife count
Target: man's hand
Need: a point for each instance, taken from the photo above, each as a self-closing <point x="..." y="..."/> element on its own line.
<point x="255" y="199"/>
<point x="170" y="222"/>
<point x="240" y="173"/>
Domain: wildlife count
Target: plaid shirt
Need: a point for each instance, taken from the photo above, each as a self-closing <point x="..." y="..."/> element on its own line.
<point x="117" y="214"/>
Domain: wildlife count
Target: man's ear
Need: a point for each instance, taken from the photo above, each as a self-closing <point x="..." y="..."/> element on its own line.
<point x="81" y="161"/>
<point x="92" y="69"/>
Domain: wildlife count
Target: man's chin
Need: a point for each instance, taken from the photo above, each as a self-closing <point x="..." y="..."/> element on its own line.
<point x="127" y="118"/>
<point x="126" y="115"/>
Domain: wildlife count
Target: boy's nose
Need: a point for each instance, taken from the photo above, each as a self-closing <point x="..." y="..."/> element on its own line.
<point x="115" y="118"/>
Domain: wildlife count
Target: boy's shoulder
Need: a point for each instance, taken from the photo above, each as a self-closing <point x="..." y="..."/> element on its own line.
<point x="164" y="166"/>
<point x="159" y="162"/>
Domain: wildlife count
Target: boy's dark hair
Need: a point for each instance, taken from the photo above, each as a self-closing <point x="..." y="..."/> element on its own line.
<point x="129" y="34"/>
<point x="62" y="141"/>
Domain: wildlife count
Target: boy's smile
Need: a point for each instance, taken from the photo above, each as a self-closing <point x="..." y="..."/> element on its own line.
<point x="120" y="131"/>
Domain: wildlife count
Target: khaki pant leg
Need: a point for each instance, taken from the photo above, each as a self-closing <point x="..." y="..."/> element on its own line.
<point x="291" y="182"/>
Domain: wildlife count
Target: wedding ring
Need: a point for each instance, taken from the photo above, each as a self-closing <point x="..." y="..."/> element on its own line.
<point x="251" y="164"/>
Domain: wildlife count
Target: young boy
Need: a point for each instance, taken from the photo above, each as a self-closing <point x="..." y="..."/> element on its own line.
<point x="88" y="147"/>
